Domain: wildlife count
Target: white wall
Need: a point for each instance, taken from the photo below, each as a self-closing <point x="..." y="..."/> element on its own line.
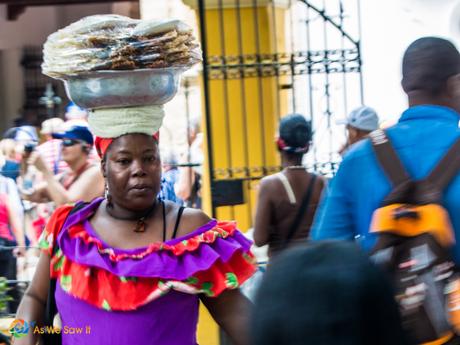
<point x="32" y="27"/>
<point x="388" y="27"/>
<point x="12" y="89"/>
<point x="14" y="35"/>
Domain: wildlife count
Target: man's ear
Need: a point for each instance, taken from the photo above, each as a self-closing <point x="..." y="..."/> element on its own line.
<point x="404" y="85"/>
<point x="453" y="86"/>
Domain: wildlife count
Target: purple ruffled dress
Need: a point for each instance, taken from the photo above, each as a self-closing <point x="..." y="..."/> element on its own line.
<point x="145" y="296"/>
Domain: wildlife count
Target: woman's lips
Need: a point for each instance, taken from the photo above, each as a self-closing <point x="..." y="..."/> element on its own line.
<point x="141" y="188"/>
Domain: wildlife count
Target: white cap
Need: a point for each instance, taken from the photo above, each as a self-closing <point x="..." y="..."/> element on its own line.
<point x="364" y="118"/>
<point x="52" y="125"/>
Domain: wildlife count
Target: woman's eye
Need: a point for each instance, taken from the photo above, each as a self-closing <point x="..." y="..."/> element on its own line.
<point x="150" y="159"/>
<point x="122" y="161"/>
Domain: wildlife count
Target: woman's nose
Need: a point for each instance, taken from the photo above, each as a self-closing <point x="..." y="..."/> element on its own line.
<point x="138" y="168"/>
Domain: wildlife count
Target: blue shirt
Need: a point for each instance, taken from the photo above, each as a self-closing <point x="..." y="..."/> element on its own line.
<point x="167" y="191"/>
<point x="11" y="169"/>
<point x="421" y="138"/>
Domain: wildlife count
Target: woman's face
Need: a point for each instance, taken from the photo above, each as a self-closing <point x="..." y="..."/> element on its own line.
<point x="132" y="168"/>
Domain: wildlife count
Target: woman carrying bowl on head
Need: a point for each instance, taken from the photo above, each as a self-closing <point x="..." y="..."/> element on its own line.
<point x="130" y="268"/>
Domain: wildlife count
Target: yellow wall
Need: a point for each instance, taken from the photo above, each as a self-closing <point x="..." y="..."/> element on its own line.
<point x="231" y="132"/>
<point x="260" y="106"/>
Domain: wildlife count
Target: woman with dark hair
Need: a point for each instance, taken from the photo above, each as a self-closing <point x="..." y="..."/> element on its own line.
<point x="132" y="268"/>
<point x="287" y="200"/>
<point x="325" y="294"/>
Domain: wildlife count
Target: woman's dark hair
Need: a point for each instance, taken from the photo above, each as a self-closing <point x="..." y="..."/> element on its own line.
<point x="325" y="294"/>
<point x="295" y="133"/>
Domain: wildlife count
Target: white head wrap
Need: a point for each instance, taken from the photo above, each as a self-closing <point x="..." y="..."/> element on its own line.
<point x="114" y="122"/>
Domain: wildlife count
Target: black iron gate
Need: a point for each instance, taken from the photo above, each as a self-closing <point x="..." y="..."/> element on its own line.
<point x="273" y="58"/>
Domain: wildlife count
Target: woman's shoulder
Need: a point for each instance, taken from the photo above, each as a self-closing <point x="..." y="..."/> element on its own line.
<point x="53" y="227"/>
<point x="320" y="179"/>
<point x="270" y="178"/>
<point x="191" y="220"/>
<point x="271" y="181"/>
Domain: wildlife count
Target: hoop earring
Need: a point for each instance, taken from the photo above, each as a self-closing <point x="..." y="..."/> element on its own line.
<point x="107" y="196"/>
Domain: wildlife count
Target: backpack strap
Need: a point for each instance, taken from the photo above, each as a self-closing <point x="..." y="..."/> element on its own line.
<point x="302" y="210"/>
<point x="388" y="158"/>
<point x="447" y="168"/>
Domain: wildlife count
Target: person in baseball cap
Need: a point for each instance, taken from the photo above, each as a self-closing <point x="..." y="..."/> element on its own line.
<point x="359" y="123"/>
<point x="82" y="180"/>
<point x="77" y="133"/>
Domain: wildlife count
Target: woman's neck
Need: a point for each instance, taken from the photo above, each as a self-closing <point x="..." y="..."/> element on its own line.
<point x="285" y="162"/>
<point x="118" y="212"/>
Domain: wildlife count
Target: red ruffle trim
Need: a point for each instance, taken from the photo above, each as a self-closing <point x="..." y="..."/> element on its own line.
<point x="108" y="291"/>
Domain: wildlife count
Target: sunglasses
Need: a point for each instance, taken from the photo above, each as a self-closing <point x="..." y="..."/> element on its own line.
<point x="70" y="142"/>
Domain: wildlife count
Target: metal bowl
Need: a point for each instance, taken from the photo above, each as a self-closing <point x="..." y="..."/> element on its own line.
<point x="110" y="89"/>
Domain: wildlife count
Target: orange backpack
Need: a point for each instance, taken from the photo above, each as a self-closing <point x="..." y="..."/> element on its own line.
<point x="414" y="241"/>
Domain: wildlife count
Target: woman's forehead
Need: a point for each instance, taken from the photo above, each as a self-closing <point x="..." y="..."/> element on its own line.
<point x="134" y="142"/>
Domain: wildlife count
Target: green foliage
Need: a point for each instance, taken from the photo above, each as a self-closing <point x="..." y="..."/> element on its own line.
<point x="4" y="298"/>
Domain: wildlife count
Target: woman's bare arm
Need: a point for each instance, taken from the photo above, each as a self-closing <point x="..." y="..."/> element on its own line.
<point x="231" y="310"/>
<point x="32" y="307"/>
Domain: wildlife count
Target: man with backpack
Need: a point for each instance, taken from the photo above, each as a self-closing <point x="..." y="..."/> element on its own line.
<point x="399" y="199"/>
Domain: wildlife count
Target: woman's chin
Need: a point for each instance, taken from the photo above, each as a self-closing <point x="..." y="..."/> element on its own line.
<point x="141" y="200"/>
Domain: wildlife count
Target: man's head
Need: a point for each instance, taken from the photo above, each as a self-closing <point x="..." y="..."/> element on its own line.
<point x="431" y="72"/>
<point x="328" y="293"/>
<point x="76" y="143"/>
<point x="360" y="122"/>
